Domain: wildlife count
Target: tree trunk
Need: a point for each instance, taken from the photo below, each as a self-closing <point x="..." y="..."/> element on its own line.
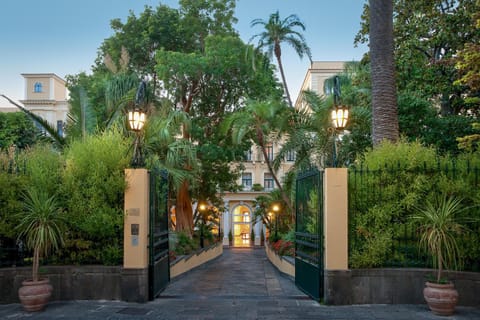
<point x="183" y="207"/>
<point x="384" y="95"/>
<point x="36" y="263"/>
<point x="278" y="55"/>
<point x="445" y="105"/>
<point x="285" y="197"/>
<point x="183" y="210"/>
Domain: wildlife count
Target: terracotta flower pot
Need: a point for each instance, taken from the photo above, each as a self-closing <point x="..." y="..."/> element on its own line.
<point x="441" y="298"/>
<point x="34" y="295"/>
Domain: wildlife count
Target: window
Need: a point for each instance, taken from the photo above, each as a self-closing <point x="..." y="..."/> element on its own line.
<point x="291" y="156"/>
<point x="37" y="87"/>
<point x="247" y="180"/>
<point x="248" y="155"/>
<point x="60" y="128"/>
<point x="269" y="148"/>
<point x="268" y="181"/>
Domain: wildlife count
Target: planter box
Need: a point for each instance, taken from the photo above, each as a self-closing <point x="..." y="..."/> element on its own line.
<point x="186" y="263"/>
<point x="283" y="264"/>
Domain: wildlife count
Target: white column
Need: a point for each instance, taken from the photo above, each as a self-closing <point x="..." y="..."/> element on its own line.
<point x="226" y="223"/>
<point x="258" y="230"/>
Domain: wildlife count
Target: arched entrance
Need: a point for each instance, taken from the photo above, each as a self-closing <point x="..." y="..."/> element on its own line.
<point x="242" y="226"/>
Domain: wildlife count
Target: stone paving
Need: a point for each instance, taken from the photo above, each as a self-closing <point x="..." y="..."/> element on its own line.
<point x="241" y="284"/>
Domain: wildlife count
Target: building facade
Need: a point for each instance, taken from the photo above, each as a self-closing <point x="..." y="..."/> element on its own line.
<point x="256" y="179"/>
<point x="315" y="78"/>
<point x="46" y="96"/>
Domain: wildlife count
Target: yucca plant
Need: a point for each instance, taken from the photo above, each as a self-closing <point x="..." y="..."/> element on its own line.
<point x="41" y="226"/>
<point x="438" y="224"/>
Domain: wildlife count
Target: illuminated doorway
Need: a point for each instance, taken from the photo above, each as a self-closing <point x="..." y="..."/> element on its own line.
<point x="241" y="226"/>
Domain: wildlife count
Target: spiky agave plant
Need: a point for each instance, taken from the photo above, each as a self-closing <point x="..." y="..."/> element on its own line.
<point x="438" y="224"/>
<point x="40" y="226"/>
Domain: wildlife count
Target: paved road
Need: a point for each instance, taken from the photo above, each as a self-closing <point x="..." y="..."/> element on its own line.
<point x="241" y="284"/>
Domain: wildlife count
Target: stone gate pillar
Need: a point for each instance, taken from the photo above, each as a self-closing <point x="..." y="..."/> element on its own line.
<point x="135" y="236"/>
<point x="336" y="273"/>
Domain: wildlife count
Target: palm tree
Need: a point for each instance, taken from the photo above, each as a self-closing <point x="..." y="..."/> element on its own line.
<point x="265" y="122"/>
<point x="384" y="94"/>
<point x="307" y="134"/>
<point x="177" y="156"/>
<point x="278" y="31"/>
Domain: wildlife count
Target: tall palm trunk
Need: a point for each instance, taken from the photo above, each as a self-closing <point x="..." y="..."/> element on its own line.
<point x="278" y="55"/>
<point x="384" y="96"/>
<point x="285" y="197"/>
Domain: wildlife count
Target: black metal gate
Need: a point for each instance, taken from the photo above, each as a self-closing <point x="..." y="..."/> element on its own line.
<point x="309" y="233"/>
<point x="159" y="261"/>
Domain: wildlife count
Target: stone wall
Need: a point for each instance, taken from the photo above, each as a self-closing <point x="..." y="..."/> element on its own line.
<point x="393" y="286"/>
<point x="69" y="282"/>
<point x="97" y="282"/>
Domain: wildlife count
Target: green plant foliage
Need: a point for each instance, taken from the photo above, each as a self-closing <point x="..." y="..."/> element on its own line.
<point x="184" y="244"/>
<point x="385" y="188"/>
<point x="11" y="187"/>
<point x="44" y="166"/>
<point x="16" y="128"/>
<point x="95" y="184"/>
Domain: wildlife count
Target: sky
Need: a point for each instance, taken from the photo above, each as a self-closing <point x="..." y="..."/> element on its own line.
<point x="63" y="36"/>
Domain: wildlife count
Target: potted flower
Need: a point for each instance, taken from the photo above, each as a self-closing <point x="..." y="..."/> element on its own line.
<point x="41" y="228"/>
<point x="438" y="226"/>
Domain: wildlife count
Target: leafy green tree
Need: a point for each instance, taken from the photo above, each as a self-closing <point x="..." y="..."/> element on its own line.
<point x="278" y="31"/>
<point x="52" y="134"/>
<point x="206" y="86"/>
<point x="467" y="62"/>
<point x="197" y="73"/>
<point x="428" y="37"/>
<point x="17" y="129"/>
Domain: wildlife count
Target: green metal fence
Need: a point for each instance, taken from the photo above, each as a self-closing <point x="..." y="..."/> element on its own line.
<point x="309" y="233"/>
<point x="380" y="202"/>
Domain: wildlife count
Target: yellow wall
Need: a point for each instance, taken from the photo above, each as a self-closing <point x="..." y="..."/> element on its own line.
<point x="336" y="218"/>
<point x="136" y="213"/>
<point x="44" y="95"/>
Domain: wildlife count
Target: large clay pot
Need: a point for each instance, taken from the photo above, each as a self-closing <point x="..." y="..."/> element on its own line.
<point x="441" y="298"/>
<point x="34" y="295"/>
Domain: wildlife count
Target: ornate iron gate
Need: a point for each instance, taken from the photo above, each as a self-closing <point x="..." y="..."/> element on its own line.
<point x="159" y="261"/>
<point x="309" y="233"/>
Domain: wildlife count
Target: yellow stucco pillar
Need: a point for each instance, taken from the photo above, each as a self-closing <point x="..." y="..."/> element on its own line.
<point x="136" y="223"/>
<point x="335" y="217"/>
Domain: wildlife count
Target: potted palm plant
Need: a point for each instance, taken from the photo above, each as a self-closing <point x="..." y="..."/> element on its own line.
<point x="439" y="226"/>
<point x="41" y="228"/>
